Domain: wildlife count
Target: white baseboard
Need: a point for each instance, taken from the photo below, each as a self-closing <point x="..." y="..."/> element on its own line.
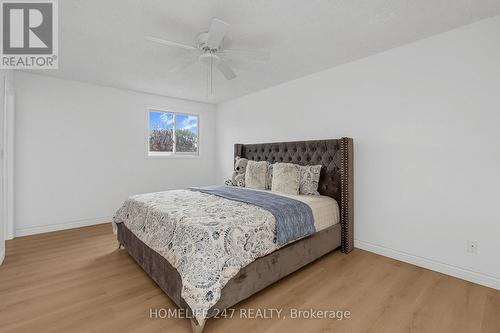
<point x="2" y="255"/>
<point x="26" y="231"/>
<point x="455" y="271"/>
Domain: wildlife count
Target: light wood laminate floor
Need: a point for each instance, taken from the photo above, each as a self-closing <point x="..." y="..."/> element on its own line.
<point x="77" y="281"/>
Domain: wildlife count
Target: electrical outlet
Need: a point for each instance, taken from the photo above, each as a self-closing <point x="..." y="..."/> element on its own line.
<point x="472" y="246"/>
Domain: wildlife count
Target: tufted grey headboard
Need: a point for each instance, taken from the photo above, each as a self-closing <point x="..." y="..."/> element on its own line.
<point x="336" y="179"/>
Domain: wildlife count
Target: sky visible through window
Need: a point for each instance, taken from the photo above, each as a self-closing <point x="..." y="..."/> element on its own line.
<point x="164" y="120"/>
<point x="186" y="122"/>
<point x="160" y="120"/>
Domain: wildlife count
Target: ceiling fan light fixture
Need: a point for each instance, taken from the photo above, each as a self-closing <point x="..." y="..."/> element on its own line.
<point x="209" y="59"/>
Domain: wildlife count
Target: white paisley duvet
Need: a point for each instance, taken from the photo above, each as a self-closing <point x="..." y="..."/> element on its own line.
<point x="208" y="239"/>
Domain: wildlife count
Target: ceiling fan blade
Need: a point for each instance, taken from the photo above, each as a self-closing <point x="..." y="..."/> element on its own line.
<point x="170" y="43"/>
<point x="224" y="68"/>
<point x="184" y="65"/>
<point x="216" y="33"/>
<point x="248" y="54"/>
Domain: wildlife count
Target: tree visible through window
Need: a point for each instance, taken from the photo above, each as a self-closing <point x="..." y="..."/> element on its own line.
<point x="172" y="133"/>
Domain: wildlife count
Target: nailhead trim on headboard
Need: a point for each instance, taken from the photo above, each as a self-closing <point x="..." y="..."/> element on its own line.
<point x="346" y="190"/>
<point x="336" y="179"/>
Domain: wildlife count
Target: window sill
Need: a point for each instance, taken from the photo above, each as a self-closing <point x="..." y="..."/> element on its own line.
<point x="172" y="155"/>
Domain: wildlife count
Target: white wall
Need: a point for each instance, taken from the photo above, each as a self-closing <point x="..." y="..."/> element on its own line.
<point x="425" y="120"/>
<point x="6" y="186"/>
<point x="6" y="85"/>
<point x="2" y="113"/>
<point x="80" y="151"/>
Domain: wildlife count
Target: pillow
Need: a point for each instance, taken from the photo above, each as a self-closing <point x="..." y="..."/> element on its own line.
<point x="256" y="175"/>
<point x="309" y="179"/>
<point x="286" y="178"/>
<point x="269" y="176"/>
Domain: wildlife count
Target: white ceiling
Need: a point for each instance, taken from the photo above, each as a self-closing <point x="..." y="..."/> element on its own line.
<point x="102" y="41"/>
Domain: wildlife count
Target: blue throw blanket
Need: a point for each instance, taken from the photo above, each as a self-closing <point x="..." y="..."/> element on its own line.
<point x="294" y="219"/>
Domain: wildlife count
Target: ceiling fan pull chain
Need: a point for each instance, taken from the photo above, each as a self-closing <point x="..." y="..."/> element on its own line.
<point x="207" y="82"/>
<point x="211" y="76"/>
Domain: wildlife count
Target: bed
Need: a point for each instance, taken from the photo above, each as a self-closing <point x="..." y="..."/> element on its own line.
<point x="333" y="220"/>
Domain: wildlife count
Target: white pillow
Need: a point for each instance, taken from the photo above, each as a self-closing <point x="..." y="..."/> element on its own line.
<point x="256" y="175"/>
<point x="286" y="178"/>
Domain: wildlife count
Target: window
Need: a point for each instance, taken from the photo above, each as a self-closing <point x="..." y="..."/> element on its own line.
<point x="172" y="133"/>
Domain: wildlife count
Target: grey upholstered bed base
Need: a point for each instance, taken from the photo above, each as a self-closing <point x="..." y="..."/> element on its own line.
<point x="249" y="280"/>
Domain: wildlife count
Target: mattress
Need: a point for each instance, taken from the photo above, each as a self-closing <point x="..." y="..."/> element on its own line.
<point x="325" y="209"/>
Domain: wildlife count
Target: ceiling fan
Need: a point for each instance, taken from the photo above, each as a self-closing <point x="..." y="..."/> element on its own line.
<point x="211" y="52"/>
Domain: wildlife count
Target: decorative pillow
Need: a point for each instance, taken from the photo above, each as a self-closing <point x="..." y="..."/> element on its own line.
<point x="256" y="175"/>
<point x="309" y="179"/>
<point x="269" y="176"/>
<point x="286" y="178"/>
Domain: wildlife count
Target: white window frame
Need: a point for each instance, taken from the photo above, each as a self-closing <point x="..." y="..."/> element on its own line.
<point x="174" y="153"/>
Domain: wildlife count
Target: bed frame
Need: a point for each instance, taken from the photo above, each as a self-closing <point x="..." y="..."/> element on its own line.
<point x="336" y="181"/>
